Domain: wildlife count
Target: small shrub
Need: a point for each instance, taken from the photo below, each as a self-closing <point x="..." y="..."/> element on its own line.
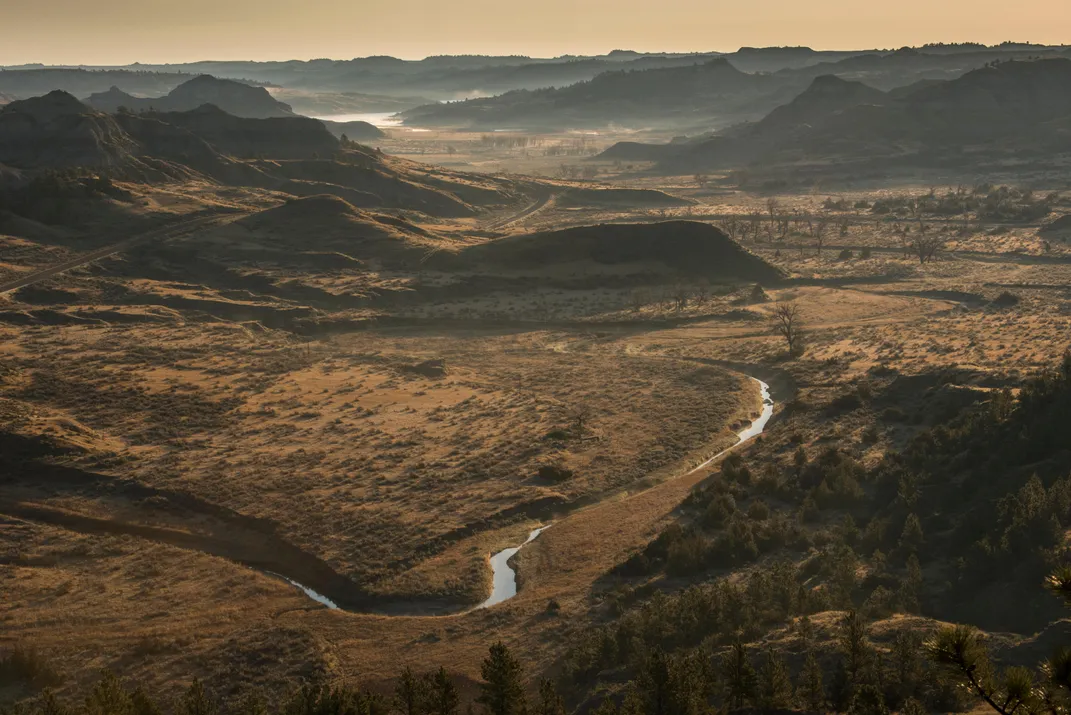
<point x="893" y="414"/>
<point x="758" y="511"/>
<point x="719" y="511"/>
<point x="555" y="473"/>
<point x="1006" y="299"/>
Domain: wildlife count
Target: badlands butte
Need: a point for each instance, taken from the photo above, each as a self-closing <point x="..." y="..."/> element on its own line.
<point x="289" y="351"/>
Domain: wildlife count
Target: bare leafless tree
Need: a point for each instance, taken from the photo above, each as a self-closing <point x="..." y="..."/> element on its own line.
<point x="773" y="207"/>
<point x="702" y="292"/>
<point x="784" y="225"/>
<point x="681" y="294"/>
<point x="580" y="416"/>
<point x="755" y="221"/>
<point x="926" y="247"/>
<point x="789" y="325"/>
<point x="821" y="222"/>
<point x="731" y="226"/>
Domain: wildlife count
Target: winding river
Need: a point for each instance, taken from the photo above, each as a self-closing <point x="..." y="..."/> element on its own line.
<point x="504" y="578"/>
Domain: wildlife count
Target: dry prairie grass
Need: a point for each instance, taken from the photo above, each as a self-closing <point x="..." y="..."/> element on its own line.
<point x="390" y="476"/>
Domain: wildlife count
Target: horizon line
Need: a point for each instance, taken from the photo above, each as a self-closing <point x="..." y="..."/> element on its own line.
<point x="564" y="56"/>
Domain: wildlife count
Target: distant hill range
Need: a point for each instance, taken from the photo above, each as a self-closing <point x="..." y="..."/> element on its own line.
<point x="25" y="83"/>
<point x="694" y="94"/>
<point x="450" y="77"/>
<point x="1008" y="108"/>
<point x="387" y="84"/>
<point x="705" y="95"/>
<point x="232" y="97"/>
<point x="291" y="154"/>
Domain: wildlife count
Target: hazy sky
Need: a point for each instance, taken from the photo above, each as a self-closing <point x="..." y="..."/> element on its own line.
<point x="124" y="31"/>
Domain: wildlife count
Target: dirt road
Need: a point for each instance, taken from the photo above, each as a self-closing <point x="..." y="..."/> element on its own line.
<point x="164" y="233"/>
<point x="538" y="205"/>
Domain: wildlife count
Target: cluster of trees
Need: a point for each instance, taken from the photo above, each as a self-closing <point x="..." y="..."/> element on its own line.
<point x="502" y="691"/>
<point x="991" y="526"/>
<point x="508" y="141"/>
<point x="845" y="672"/>
<point x="583" y="146"/>
<point x="986" y="201"/>
<point x="675" y="296"/>
<point x="998" y="497"/>
<point x="778" y="223"/>
<point x="577" y="171"/>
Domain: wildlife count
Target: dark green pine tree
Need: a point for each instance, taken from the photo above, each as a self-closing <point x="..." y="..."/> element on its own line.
<point x="196" y="701"/>
<point x="855" y="647"/>
<point x="252" y="703"/>
<point x="739" y="677"/>
<point x="143" y="704"/>
<point x="810" y="693"/>
<point x="774" y="684"/>
<point x="655" y="683"/>
<point x="501" y="690"/>
<point x="48" y="704"/>
<point x="550" y="703"/>
<point x="409" y="693"/>
<point x="607" y="707"/>
<point x="440" y="693"/>
<point x="108" y="697"/>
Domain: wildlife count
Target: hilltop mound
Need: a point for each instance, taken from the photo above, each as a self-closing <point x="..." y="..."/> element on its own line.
<point x="57" y="130"/>
<point x="319" y="211"/>
<point x="686" y="247"/>
<point x="325" y="224"/>
<point x="357" y="131"/>
<point x="236" y="98"/>
<point x="826" y="94"/>
<point x="635" y="151"/>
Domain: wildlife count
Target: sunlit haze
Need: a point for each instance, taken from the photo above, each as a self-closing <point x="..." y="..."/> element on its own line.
<point x="126" y="31"/>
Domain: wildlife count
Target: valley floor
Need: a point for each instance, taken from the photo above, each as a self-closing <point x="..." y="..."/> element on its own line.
<point x="183" y="447"/>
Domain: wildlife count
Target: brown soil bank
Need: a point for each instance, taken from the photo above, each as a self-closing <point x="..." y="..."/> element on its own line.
<point x="686" y="247"/>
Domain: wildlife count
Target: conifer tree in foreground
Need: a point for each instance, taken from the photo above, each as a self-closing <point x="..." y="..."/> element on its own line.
<point x="502" y="689"/>
<point x="740" y="678"/>
<point x="441" y="696"/>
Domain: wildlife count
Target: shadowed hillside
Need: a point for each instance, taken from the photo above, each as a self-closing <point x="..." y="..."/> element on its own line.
<point x="1009" y="107"/>
<point x="684" y="247"/>
<point x="295" y="155"/>
<point x="57" y="130"/>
